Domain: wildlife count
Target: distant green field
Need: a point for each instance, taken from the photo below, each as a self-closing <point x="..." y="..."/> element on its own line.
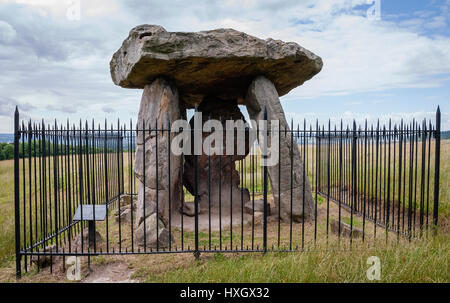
<point x="445" y="135"/>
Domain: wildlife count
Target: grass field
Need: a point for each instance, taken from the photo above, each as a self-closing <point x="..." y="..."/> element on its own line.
<point x="418" y="261"/>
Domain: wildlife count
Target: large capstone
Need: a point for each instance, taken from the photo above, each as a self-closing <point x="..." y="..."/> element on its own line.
<point x="220" y="62"/>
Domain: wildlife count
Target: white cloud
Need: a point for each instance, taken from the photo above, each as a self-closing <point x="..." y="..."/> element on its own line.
<point x="48" y="60"/>
<point x="360" y="55"/>
<point x="60" y="8"/>
<point x="438" y="21"/>
<point x="7" y="32"/>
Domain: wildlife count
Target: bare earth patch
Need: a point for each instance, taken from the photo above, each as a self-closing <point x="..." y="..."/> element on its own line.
<point x="117" y="272"/>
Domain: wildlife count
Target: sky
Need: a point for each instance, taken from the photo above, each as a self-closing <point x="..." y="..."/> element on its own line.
<point x="383" y="59"/>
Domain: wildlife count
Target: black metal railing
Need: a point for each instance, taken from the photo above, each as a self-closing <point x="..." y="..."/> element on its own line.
<point x="374" y="177"/>
<point x="389" y="176"/>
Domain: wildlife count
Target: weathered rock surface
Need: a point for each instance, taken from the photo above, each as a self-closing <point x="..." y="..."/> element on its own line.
<point x="146" y="234"/>
<point x="221" y="62"/>
<point x="123" y="208"/>
<point x="218" y="178"/>
<point x="346" y="230"/>
<point x="258" y="218"/>
<point x="127" y="199"/>
<point x="125" y="216"/>
<point x="188" y="209"/>
<point x="144" y="210"/>
<point x="159" y="105"/>
<point x="263" y="94"/>
<point x="84" y="236"/>
<point x="259" y="207"/>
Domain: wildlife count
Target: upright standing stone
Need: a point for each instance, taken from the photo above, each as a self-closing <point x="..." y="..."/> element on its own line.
<point x="159" y="105"/>
<point x="263" y="94"/>
<point x="219" y="178"/>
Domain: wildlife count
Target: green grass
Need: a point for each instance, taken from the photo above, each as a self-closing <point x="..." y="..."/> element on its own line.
<point x="203" y="238"/>
<point x="418" y="262"/>
<point x="6" y="211"/>
<point x="356" y="221"/>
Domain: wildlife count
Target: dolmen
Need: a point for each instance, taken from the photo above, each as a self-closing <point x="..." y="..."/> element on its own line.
<point x="213" y="71"/>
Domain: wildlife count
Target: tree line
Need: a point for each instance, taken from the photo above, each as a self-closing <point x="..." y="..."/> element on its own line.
<point x="6" y="151"/>
<point x="51" y="149"/>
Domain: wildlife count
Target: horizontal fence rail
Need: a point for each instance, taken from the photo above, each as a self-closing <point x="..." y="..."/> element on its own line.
<point x="79" y="190"/>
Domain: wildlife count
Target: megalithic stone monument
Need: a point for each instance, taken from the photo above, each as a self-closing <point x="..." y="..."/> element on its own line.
<point x="180" y="70"/>
<point x="261" y="95"/>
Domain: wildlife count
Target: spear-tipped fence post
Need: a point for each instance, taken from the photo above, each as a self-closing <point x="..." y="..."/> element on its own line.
<point x="196" y="252"/>
<point x="265" y="187"/>
<point x="437" y="167"/>
<point x="16" y="192"/>
<point x="353" y="179"/>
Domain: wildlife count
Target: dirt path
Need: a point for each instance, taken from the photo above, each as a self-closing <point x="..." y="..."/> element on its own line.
<point x="116" y="272"/>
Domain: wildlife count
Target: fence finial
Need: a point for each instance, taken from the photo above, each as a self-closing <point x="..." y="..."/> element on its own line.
<point x="17" y="194"/>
